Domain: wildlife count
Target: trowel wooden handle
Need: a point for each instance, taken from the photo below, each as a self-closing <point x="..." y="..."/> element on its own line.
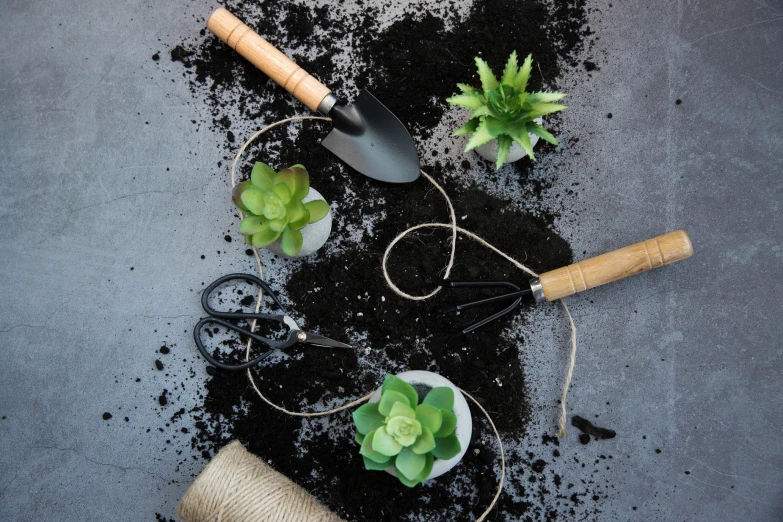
<point x="266" y="57"/>
<point x="615" y="265"/>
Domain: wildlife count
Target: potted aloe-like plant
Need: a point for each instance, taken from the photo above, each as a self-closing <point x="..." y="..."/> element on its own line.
<point x="282" y="205"/>
<point x="506" y="120"/>
<point x="416" y="426"/>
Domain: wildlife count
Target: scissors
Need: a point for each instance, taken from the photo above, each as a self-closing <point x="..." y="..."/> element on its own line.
<point x="295" y="334"/>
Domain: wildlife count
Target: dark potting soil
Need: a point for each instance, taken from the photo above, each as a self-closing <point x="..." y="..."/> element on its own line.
<point x="411" y="64"/>
<point x="590" y="429"/>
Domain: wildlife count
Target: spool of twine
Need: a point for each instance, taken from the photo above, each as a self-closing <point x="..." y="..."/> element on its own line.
<point x="237" y="486"/>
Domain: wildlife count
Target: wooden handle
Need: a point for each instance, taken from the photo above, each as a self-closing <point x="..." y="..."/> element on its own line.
<point x="615" y="265"/>
<point x="266" y="57"/>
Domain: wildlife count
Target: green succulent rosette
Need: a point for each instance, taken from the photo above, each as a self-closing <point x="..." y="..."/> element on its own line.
<point x="273" y="208"/>
<point x="504" y="110"/>
<point x="401" y="433"/>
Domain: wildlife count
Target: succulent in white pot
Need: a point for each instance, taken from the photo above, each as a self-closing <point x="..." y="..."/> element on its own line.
<point x="506" y="119"/>
<point x="417" y="426"/>
<point x="282" y="205"/>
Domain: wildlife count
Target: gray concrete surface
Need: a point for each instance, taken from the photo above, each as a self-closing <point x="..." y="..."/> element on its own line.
<point x="104" y="218"/>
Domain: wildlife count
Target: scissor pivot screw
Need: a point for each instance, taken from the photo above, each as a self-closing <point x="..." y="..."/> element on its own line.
<point x="301" y="337"/>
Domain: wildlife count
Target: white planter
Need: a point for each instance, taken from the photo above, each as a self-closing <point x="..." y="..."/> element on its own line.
<point x="489" y="151"/>
<point x="464" y="428"/>
<point x="314" y="235"/>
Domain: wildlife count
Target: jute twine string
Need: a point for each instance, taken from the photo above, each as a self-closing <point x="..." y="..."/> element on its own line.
<point x="454" y="228"/>
<point x="237" y="486"/>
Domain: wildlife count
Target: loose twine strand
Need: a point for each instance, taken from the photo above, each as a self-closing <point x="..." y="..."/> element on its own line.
<point x="454" y="229"/>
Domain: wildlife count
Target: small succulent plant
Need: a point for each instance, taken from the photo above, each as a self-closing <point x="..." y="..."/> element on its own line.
<point x="399" y="432"/>
<point x="504" y="110"/>
<point x="273" y="208"/>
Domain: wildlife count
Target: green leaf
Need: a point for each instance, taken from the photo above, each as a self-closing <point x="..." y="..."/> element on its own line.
<point x="288" y="177"/>
<point x="448" y="425"/>
<point x="318" y="209"/>
<point x="545" y="97"/>
<point x="488" y="80"/>
<point x="406" y="482"/>
<point x="392" y="382"/>
<point x="278" y="225"/>
<point x="441" y="397"/>
<point x="464" y="87"/>
<point x="429" y="416"/>
<point x="264" y="238"/>
<point x="446" y="447"/>
<point x="253" y="225"/>
<point x="504" y="147"/>
<point x="367" y="451"/>
<point x="427" y="468"/>
<point x="388" y="398"/>
<point x="541" y="109"/>
<point x="469" y="101"/>
<point x="282" y="191"/>
<point x="425" y="442"/>
<point x="253" y="199"/>
<point x="375" y="466"/>
<point x="523" y="138"/>
<point x="358" y="437"/>
<point x="291" y="241"/>
<point x="480" y="136"/>
<point x="484" y="110"/>
<point x="495" y="100"/>
<point x="301" y="180"/>
<point x="384" y="443"/>
<point x="410" y="464"/>
<point x="300" y="223"/>
<point x="520" y="82"/>
<point x="295" y="210"/>
<point x="468" y="128"/>
<point x="262" y="175"/>
<point x="400" y="409"/>
<point x="511" y="70"/>
<point x="236" y="195"/>
<point x="538" y="130"/>
<point x="367" y="418"/>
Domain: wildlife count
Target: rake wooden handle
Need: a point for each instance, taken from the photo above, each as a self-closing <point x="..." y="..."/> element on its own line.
<point x="266" y="57"/>
<point x="615" y="265"/>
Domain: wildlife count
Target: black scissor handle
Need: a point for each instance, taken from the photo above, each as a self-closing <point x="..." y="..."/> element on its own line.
<point x="240" y="315"/>
<point x="274" y="345"/>
<point x="219" y="317"/>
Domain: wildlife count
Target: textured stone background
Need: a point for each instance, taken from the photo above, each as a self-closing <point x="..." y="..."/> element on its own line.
<point x="687" y="359"/>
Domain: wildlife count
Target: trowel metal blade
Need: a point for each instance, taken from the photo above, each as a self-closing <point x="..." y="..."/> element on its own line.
<point x="379" y="147"/>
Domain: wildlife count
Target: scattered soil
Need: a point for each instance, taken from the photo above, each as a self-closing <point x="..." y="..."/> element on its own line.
<point x="411" y="64"/>
<point x="589" y="429"/>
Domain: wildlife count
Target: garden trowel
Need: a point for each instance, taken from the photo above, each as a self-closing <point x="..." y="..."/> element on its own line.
<point x="365" y="134"/>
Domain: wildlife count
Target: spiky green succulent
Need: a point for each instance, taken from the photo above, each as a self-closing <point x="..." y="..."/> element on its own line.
<point x="399" y="432"/>
<point x="504" y="110"/>
<point x="273" y="208"/>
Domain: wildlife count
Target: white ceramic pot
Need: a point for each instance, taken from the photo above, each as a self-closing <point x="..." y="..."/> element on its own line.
<point x="489" y="151"/>
<point x="464" y="428"/>
<point x="314" y="235"/>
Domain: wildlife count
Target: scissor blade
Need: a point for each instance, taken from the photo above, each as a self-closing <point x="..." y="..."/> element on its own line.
<point x="320" y="340"/>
